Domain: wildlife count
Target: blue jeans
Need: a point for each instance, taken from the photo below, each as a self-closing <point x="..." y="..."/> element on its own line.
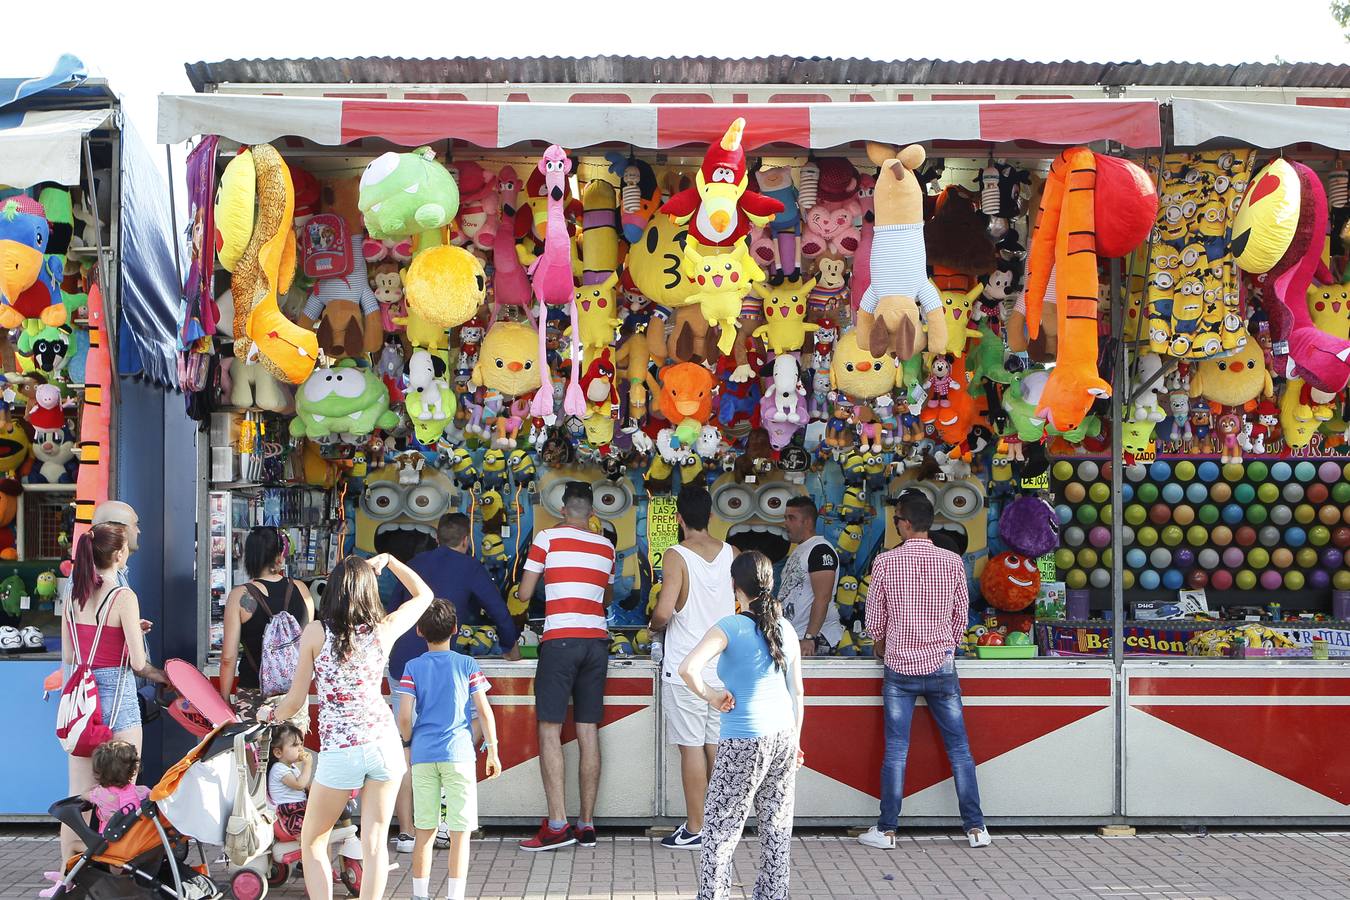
<point x="943" y="695"/>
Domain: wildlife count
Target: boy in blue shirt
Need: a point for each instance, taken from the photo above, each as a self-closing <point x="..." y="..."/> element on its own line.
<point x="440" y="685"/>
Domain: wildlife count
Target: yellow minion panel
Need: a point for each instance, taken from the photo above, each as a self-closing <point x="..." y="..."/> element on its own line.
<point x="401" y="519"/>
<point x="615" y="505"/>
<point x="749" y="516"/>
<point x="958" y="508"/>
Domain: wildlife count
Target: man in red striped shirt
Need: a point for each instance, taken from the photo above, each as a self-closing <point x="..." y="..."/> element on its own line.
<point x="577" y="566"/>
<point x="917" y="609"/>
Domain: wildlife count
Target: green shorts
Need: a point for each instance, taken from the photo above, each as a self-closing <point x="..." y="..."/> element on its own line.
<point x="459" y="781"/>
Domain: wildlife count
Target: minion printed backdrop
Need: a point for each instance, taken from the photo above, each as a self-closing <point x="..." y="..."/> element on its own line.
<point x="430" y="337"/>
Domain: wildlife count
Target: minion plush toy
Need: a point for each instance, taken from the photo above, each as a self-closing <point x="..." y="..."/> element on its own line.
<point x="846" y="598"/>
<point x="494" y="468"/>
<point x="522" y="467"/>
<point x="849" y="540"/>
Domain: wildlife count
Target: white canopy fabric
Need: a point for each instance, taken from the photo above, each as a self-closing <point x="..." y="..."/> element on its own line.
<point x="45" y="146"/>
<point x="1259" y="124"/>
<point x="334" y="121"/>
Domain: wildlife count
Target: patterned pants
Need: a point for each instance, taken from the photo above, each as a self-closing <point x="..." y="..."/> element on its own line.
<point x="762" y="771"/>
<point x="292" y="817"/>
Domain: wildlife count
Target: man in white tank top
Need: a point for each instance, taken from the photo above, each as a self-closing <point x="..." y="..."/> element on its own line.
<point x="696" y="594"/>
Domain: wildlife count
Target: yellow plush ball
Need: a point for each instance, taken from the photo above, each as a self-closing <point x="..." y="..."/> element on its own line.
<point x="1265" y="225"/>
<point x="445" y="285"/>
<point x="235" y="199"/>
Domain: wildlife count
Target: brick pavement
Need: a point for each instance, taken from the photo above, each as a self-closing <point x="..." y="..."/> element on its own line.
<point x="927" y="864"/>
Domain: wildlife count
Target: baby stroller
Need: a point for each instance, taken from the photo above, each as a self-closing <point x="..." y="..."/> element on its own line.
<point x="286" y="855"/>
<point x="140" y="853"/>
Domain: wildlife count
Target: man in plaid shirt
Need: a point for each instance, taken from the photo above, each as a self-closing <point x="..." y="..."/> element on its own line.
<point x="917" y="609"/>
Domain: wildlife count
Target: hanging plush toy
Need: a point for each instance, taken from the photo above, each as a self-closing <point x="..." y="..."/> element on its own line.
<point x="600" y="232"/>
<point x="640" y="195"/>
<point x="404" y="194"/>
<point x="265" y="269"/>
<point x="1233" y="382"/>
<point x="510" y="284"/>
<point x="445" y="285"/>
<point x="719" y="209"/>
<point x="551" y="280"/>
<point x="507" y="368"/>
<point x="686" y="400"/>
<point x="598" y="315"/>
<point x="30" y="279"/>
<point x="785" y="306"/>
<point x="784" y="231"/>
<point x="429" y="399"/>
<point x="476" y="224"/>
<point x="722" y="281"/>
<point x="888" y="314"/>
<point x="342" y="303"/>
<point x="342" y="402"/>
<point x="1092" y="206"/>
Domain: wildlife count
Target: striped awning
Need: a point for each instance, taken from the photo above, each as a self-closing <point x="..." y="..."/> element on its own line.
<point x="1196" y="122"/>
<point x="335" y="121"/>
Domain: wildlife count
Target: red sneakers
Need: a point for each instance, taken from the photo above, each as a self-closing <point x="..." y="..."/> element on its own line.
<point x="548" y="839"/>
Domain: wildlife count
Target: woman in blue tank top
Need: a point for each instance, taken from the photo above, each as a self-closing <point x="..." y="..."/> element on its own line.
<point x="759" y="752"/>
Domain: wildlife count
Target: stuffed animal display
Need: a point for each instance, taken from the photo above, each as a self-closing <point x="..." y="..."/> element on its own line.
<point x="470" y="336"/>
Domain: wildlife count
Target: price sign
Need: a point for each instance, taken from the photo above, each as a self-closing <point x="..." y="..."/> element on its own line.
<point x="663" y="530"/>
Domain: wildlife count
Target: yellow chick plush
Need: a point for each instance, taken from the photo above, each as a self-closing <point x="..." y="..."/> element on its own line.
<point x="597" y="316"/>
<point x="785" y="327"/>
<point x="857" y="372"/>
<point x="1236" y="380"/>
<point x="956" y="308"/>
<point x="508" y="360"/>
<point x="721" y="282"/>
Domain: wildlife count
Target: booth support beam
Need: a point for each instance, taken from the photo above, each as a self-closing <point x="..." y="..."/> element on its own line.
<point x="1120" y="372"/>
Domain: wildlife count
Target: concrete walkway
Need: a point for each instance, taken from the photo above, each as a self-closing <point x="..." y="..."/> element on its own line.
<point x="926" y="864"/>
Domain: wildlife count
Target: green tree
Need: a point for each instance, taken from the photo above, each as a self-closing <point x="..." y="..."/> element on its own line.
<point x="1340" y="10"/>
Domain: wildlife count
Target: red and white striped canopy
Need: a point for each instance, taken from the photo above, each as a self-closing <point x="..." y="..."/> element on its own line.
<point x="334" y="121"/>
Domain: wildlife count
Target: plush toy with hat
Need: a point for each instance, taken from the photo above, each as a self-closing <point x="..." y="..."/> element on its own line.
<point x="888" y="313"/>
<point x="719" y="209"/>
<point x="1092" y="206"/>
<point x="404" y="194"/>
<point x="30" y="276"/>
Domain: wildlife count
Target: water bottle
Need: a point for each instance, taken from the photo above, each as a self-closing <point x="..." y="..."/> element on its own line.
<point x="658" y="650"/>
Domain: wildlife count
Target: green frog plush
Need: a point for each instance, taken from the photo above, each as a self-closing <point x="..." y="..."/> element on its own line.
<point x="343" y="402"/>
<point x="403" y="194"/>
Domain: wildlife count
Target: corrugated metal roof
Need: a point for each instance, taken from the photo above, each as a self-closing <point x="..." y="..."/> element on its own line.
<point x="757" y="70"/>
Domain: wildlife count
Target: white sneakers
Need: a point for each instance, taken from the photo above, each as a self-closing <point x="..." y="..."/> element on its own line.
<point x="877" y="839"/>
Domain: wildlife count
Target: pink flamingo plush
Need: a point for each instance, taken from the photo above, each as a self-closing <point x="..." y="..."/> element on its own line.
<point x="551" y="278"/>
<point x="510" y="285"/>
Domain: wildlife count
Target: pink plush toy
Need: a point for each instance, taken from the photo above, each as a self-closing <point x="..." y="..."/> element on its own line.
<point x="1322" y="360"/>
<point x="830" y="228"/>
<point x="551" y="280"/>
<point x="861" y="279"/>
<point x="510" y="285"/>
<point x="476" y="223"/>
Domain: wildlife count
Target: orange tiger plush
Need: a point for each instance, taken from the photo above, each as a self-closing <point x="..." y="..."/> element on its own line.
<point x="1093" y="205"/>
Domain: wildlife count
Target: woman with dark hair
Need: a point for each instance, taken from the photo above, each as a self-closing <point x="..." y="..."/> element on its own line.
<point x="101" y="626"/>
<point x="250" y="607"/>
<point x="345" y="653"/>
<point x="759" y="662"/>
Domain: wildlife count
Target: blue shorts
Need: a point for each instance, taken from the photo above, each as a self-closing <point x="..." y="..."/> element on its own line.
<point x="348" y="768"/>
<point x="117" y="691"/>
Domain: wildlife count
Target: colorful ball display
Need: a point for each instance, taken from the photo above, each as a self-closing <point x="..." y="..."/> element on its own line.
<point x="1304" y="514"/>
<point x="1183" y="558"/>
<point x="1232" y="514"/>
<point x="1172" y="493"/>
<point x="1232" y="557"/>
<point x="1294" y="580"/>
<point x="1146" y="536"/>
<point x="1137" y="472"/>
<point x="1282" y="557"/>
<point x="1099" y="537"/>
<point x="1105" y="515"/>
<point x="1220" y="492"/>
<point x="1340" y="580"/>
<point x="1328" y="515"/>
<point x="1087" y="470"/>
<point x="1073" y="536"/>
<point x="1221" y="535"/>
<point x="1160" y="513"/>
<point x="1245" y="580"/>
<point x="1319" y="579"/>
<point x="1135" y="558"/>
<point x="1340" y="492"/>
<point x="1100" y="578"/>
<point x="1062" y="470"/>
<point x="1305" y="471"/>
<point x="1257" y="471"/>
<point x="1126" y="493"/>
<point x="1076" y="579"/>
<point x="1329" y="472"/>
<point x="1197" y="492"/>
<point x="1064" y="558"/>
<point x="1198" y="579"/>
<point x="1258" y="557"/>
<point x="1222" y="580"/>
<point x="1316" y="493"/>
<point x="1197" y="535"/>
<point x="1295" y="536"/>
<point x="1208" y="514"/>
<point x="1270" y="580"/>
<point x="1281" y="514"/>
<point x="1319" y="535"/>
<point x="1127" y="578"/>
<point x="1269" y="535"/>
<point x="1074" y="492"/>
<point x="1256" y="514"/>
<point x="1292" y="492"/>
<point x="1173" y="580"/>
<point x="1172" y="535"/>
<point x="1100" y="492"/>
<point x="1332" y="558"/>
<point x="1149" y="580"/>
<point x="1266" y="493"/>
<point x="1232" y="472"/>
<point x="1160" y="471"/>
<point x="1087" y="557"/>
<point x="1281" y="471"/>
<point x="1184" y="470"/>
<point x="1245" y="536"/>
<point x="1147" y="493"/>
<point x="1183" y="515"/>
<point x="1064" y="513"/>
<point x="1207" y="470"/>
<point x="1086" y="514"/>
<point x="1208" y="558"/>
<point x="1306" y="558"/>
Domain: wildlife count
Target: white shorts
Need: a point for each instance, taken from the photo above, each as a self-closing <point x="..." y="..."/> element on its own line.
<point x="690" y="721"/>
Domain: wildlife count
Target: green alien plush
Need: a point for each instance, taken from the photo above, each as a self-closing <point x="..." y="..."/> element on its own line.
<point x="345" y="402"/>
<point x="12" y="591"/>
<point x="1020" y="399"/>
<point x="403" y="194"/>
<point x="45" y="588"/>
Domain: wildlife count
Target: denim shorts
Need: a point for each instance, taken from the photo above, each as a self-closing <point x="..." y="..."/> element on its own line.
<point x="348" y="768"/>
<point x="117" y="690"/>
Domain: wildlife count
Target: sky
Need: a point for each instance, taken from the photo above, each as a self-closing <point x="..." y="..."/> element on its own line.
<point x="141" y="46"/>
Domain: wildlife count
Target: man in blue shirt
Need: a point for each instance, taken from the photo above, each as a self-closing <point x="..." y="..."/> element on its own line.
<point x="454" y="575"/>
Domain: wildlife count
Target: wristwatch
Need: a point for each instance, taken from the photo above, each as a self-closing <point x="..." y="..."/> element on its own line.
<point x="809" y="637"/>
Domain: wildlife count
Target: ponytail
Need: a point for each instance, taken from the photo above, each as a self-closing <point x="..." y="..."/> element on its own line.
<point x="752" y="574"/>
<point x="97" y="549"/>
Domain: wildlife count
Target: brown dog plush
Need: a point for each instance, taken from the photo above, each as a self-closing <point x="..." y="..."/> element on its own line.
<point x="888" y="313"/>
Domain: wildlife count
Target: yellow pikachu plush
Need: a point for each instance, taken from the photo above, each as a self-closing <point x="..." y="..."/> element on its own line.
<point x="1329" y="306"/>
<point x="721" y="282"/>
<point x="597" y="315"/>
<point x="956" y="307"/>
<point x="785" y="327"/>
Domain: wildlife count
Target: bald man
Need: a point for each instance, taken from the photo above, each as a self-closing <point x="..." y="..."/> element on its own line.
<point x="115" y="512"/>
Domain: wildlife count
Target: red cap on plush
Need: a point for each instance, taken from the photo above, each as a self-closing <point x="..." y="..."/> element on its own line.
<point x="838" y="179"/>
<point x="726" y="154"/>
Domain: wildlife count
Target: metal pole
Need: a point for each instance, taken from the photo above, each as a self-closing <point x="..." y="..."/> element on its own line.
<point x="173" y="213"/>
<point x="1121" y="378"/>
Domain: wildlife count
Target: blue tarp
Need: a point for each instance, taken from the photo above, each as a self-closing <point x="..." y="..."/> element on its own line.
<point x="150" y="287"/>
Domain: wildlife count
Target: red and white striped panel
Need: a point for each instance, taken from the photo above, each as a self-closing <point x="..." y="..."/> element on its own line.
<point x="334" y="121"/>
<point x="1247" y="740"/>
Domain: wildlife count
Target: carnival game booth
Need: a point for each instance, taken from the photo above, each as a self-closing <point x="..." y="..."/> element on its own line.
<point x="648" y="295"/>
<point x="89" y="293"/>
